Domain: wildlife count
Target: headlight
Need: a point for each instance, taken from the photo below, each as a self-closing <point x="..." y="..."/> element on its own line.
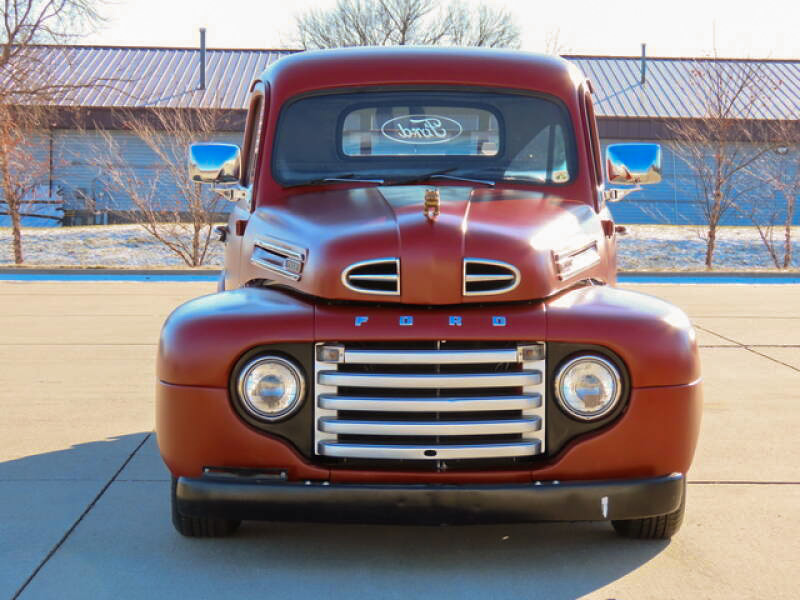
<point x="271" y="388"/>
<point x="588" y="387"/>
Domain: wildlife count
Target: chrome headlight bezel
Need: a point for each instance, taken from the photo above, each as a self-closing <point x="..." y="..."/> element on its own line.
<point x="247" y="404"/>
<point x="612" y="369"/>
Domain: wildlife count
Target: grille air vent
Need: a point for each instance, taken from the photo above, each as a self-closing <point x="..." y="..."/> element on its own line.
<point x="379" y="276"/>
<point x="279" y="257"/>
<point x="483" y="276"/>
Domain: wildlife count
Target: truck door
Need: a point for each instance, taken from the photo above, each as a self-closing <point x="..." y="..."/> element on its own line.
<point x="246" y="201"/>
<point x="596" y="169"/>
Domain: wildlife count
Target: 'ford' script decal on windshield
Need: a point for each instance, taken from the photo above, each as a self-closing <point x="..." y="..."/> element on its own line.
<point x="421" y="129"/>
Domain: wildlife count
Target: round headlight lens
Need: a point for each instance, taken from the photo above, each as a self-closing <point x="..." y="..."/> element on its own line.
<point x="588" y="387"/>
<point x="271" y="388"/>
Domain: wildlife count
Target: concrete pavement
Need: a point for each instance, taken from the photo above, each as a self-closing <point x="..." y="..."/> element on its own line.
<point x="84" y="509"/>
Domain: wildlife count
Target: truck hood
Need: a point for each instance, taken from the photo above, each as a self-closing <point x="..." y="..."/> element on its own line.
<point x="336" y="228"/>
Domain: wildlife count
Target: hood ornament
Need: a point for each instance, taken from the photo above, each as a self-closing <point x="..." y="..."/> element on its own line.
<point x="431" y="210"/>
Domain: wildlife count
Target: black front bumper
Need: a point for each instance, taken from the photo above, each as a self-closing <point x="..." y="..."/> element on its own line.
<point x="263" y="499"/>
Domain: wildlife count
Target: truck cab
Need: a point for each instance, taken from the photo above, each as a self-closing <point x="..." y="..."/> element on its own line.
<point x="418" y="318"/>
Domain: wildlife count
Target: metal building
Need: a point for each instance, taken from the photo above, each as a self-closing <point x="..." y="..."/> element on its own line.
<point x="636" y="98"/>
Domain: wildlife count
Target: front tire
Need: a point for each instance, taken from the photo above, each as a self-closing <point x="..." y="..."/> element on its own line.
<point x="199" y="526"/>
<point x="660" y="527"/>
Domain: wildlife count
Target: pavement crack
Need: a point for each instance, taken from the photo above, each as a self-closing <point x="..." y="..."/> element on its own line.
<point x="750" y="348"/>
<point x="710" y="482"/>
<point x="719" y="335"/>
<point x="85" y="512"/>
<point x="780" y="362"/>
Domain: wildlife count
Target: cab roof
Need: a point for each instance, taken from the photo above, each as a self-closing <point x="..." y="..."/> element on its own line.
<point x="389" y="66"/>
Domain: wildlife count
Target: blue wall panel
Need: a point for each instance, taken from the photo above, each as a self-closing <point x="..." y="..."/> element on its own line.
<point x="676" y="200"/>
<point x="673" y="201"/>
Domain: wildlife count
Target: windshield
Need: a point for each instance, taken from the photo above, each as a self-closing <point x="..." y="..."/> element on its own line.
<point x="395" y="136"/>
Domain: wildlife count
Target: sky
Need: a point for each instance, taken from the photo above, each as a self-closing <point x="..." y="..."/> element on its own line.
<point x="763" y="29"/>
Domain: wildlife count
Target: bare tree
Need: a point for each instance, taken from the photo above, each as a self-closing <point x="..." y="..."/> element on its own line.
<point x="781" y="172"/>
<point x="553" y="44"/>
<point x="722" y="143"/>
<point x="20" y="169"/>
<point x="404" y="23"/>
<point x="164" y="201"/>
<point x="28" y="83"/>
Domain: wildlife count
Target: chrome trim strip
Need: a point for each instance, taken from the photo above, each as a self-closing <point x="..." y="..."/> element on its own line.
<point x="282" y="250"/>
<point x="411" y="405"/>
<point x="378" y="277"/>
<point x="486" y="261"/>
<point x="434" y="452"/>
<point x="564" y="260"/>
<point x="494" y="427"/>
<point x="374" y="277"/>
<point x="281" y="247"/>
<point x="427" y="357"/>
<point x="572" y="252"/>
<point x="481" y="278"/>
<point x="274" y="268"/>
<point x="436" y="380"/>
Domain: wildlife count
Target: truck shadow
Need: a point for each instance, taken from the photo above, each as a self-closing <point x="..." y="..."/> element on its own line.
<point x="126" y="547"/>
<point x="548" y="560"/>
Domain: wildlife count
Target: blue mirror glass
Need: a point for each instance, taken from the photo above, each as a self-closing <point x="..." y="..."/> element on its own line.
<point x="633" y="164"/>
<point x="215" y="163"/>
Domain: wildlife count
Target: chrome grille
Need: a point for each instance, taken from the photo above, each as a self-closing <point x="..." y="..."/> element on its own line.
<point x="379" y="276"/>
<point x="483" y="277"/>
<point x="429" y="401"/>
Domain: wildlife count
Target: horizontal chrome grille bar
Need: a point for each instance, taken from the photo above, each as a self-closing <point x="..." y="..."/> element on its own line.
<point x="498" y="427"/>
<point x="431" y="381"/>
<point x="334" y="402"/>
<point x="434" y="452"/>
<point x="426" y="357"/>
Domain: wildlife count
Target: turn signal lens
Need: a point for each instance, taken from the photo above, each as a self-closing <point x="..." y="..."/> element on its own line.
<point x="330" y="354"/>
<point x="588" y="387"/>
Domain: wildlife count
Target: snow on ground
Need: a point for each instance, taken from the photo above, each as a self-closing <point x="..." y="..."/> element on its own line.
<point x="645" y="248"/>
<point x="96" y="246"/>
<point x="681" y="248"/>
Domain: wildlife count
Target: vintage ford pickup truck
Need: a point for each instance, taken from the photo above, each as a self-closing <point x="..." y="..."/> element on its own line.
<point x="418" y="319"/>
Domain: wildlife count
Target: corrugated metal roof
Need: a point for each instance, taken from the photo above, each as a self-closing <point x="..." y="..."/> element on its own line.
<point x="682" y="88"/>
<point x="152" y="77"/>
<point x="169" y="77"/>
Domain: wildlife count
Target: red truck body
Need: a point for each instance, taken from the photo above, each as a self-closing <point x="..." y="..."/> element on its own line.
<point x="434" y="314"/>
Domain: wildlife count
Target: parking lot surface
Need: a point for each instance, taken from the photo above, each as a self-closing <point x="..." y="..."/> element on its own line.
<point x="84" y="508"/>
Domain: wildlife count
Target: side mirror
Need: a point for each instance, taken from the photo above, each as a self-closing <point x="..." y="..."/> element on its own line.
<point x="215" y="163"/>
<point x="633" y="164"/>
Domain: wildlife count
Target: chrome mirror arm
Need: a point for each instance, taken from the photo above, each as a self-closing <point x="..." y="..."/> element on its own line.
<point x="231" y="193"/>
<point x="616" y="194"/>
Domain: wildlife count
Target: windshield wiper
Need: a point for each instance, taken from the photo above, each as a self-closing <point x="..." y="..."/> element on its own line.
<point x="440" y="174"/>
<point x="459" y="178"/>
<point x="343" y="178"/>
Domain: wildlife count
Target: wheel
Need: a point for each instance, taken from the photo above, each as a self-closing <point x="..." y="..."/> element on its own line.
<point x="661" y="527"/>
<point x="199" y="526"/>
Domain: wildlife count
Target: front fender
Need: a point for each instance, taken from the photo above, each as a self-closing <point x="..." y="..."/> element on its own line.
<point x="203" y="338"/>
<point x="654" y="338"/>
